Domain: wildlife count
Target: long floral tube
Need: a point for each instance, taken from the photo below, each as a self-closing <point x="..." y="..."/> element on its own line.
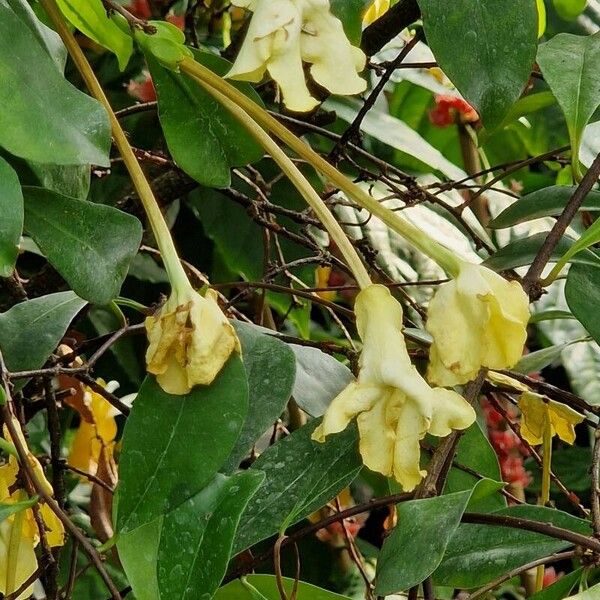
<point x="302" y="185"/>
<point x="440" y="254"/>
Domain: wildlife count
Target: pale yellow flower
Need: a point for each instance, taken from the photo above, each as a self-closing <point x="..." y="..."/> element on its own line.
<point x="393" y="405"/>
<point x="538" y="412"/>
<point x="19" y="534"/>
<point x="377" y="8"/>
<point x="190" y="340"/>
<point x="285" y="33"/>
<point x="479" y="319"/>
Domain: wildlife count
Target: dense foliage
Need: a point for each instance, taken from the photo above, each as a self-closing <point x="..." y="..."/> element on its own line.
<point x="299" y="299"/>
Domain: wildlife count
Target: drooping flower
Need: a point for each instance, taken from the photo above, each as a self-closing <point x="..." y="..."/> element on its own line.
<point x="95" y="438"/>
<point x="19" y="534"/>
<point x="285" y="33"/>
<point x="538" y="413"/>
<point x="393" y="405"/>
<point x="190" y="339"/>
<point x="377" y="8"/>
<point x="478" y="319"/>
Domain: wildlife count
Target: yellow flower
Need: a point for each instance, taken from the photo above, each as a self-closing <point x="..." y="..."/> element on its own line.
<point x="377" y="8"/>
<point x="95" y="437"/>
<point x="285" y="33"/>
<point x="190" y="340"/>
<point x="538" y="412"/>
<point x="393" y="405"/>
<point x="19" y="534"/>
<point x="478" y="319"/>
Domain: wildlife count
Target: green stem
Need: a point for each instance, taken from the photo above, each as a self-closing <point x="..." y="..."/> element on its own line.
<point x="545" y="495"/>
<point x="440" y="254"/>
<point x="301" y="183"/>
<point x="159" y="226"/>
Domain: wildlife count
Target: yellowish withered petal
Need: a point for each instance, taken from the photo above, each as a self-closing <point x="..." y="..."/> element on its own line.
<point x="190" y="340"/>
<point x="377" y="8"/>
<point x="393" y="404"/>
<point x="506" y="381"/>
<point x="55" y="531"/>
<point x="478" y="319"/>
<point x="335" y="62"/>
<point x="536" y="411"/>
<point x="285" y="33"/>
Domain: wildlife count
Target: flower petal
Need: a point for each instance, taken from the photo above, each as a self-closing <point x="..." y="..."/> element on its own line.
<point x="564" y="419"/>
<point x="450" y="411"/>
<point x="534" y="413"/>
<point x="410" y="430"/>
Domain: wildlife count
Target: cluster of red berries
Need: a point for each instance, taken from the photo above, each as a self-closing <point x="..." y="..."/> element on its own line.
<point x="450" y="110"/>
<point x="507" y="445"/>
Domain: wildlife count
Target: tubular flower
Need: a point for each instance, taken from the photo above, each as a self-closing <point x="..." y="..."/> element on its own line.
<point x="285" y="33"/>
<point x="393" y="405"/>
<point x="95" y="437"/>
<point x="190" y="339"/>
<point x="478" y="319"/>
<point x="377" y="8"/>
<point x="537" y="413"/>
<point x="19" y="534"/>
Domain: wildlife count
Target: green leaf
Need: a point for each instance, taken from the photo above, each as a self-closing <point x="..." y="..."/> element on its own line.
<point x="417" y="544"/>
<point x="589" y="594"/>
<point x="582" y="292"/>
<point x="546" y="202"/>
<point x="196" y="538"/>
<point x="538" y="360"/>
<point x="350" y="13"/>
<point x="266" y="585"/>
<point x="48" y="38"/>
<point x="521" y="252"/>
<point x="91" y="245"/>
<point x="11" y="223"/>
<point x="174" y="445"/>
<point x="166" y="44"/>
<point x="69" y="127"/>
<point x="475" y="452"/>
<point x="477" y="554"/>
<point x="138" y="553"/>
<point x="270" y="368"/>
<point x="571" y="465"/>
<point x="6" y="510"/>
<point x="203" y="138"/>
<point x="44" y="320"/>
<point x="559" y="589"/>
<point x="527" y="105"/>
<point x="319" y="379"/>
<point x="90" y="17"/>
<point x="486" y="48"/>
<point x="569" y="64"/>
<point x="569" y="10"/>
<point x="301" y="476"/>
<point x="68" y="180"/>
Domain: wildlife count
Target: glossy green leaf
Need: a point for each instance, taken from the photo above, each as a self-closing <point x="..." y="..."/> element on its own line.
<point x="6" y="510"/>
<point x="266" y="586"/>
<point x="475" y="452"/>
<point x="528" y="105"/>
<point x="569" y="64"/>
<point x="48" y="38"/>
<point x="271" y="368"/>
<point x="540" y="359"/>
<point x="166" y="44"/>
<point x="350" y="13"/>
<point x="301" y="476"/>
<point x="11" y="222"/>
<point x="196" y="538"/>
<point x="582" y="292"/>
<point x="417" y="544"/>
<point x="91" y="245"/>
<point x="319" y="379"/>
<point x="91" y="18"/>
<point x="69" y="127"/>
<point x="138" y="553"/>
<point x="521" y="252"/>
<point x="569" y="10"/>
<point x="174" y="445"/>
<point x="546" y="202"/>
<point x="44" y="320"/>
<point x="202" y="136"/>
<point x="68" y="180"/>
<point x="571" y="466"/>
<point x="477" y="554"/>
<point x="487" y="49"/>
<point x="559" y="589"/>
